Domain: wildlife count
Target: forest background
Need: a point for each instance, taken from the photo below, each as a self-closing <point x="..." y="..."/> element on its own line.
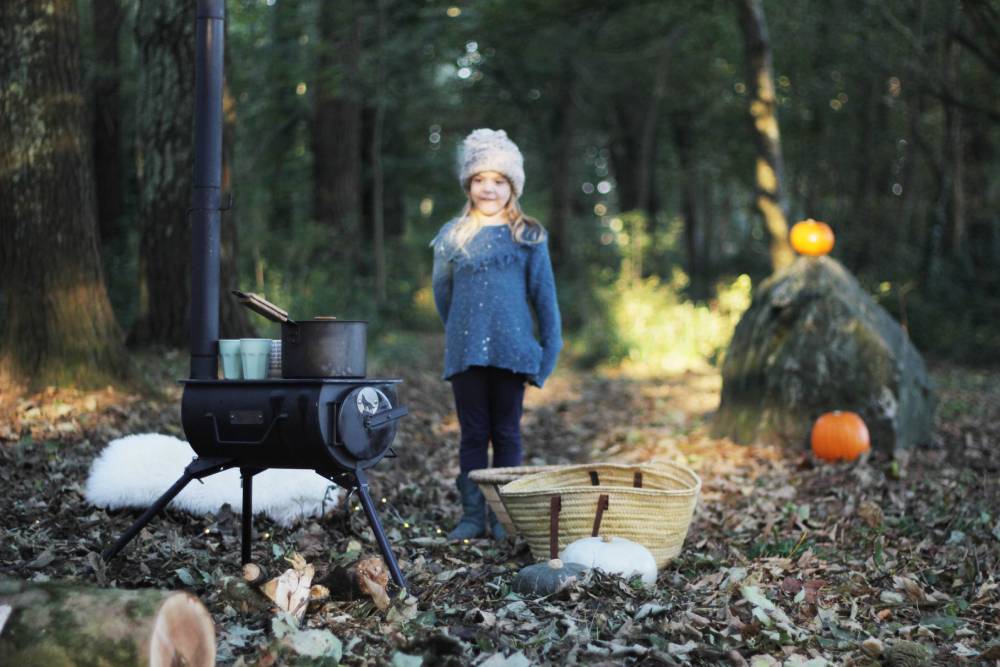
<point x="668" y="147"/>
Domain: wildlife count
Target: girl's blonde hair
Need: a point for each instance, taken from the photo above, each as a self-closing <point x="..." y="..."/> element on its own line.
<point x="523" y="228"/>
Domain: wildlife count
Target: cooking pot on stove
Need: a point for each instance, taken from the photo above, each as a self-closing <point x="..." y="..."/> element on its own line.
<point x="323" y="347"/>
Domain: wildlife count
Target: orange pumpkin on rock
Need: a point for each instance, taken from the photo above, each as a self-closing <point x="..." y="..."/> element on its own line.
<point x="840" y="436"/>
<point x="812" y="237"/>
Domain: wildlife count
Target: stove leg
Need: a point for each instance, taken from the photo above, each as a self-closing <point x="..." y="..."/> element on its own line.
<point x="196" y="470"/>
<point x="246" y="474"/>
<point x="383" y="543"/>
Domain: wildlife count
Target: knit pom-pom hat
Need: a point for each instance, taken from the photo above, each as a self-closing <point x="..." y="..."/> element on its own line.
<point x="491" y="150"/>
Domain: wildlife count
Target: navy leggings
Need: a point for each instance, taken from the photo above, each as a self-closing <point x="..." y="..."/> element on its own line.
<point x="488" y="401"/>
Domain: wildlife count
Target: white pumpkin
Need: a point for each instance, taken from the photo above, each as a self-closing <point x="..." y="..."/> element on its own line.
<point x="614" y="555"/>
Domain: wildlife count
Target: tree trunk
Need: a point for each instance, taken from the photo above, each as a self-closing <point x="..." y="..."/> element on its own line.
<point x="281" y="166"/>
<point x="694" y="236"/>
<point x="647" y="195"/>
<point x="767" y="139"/>
<point x="59" y="326"/>
<point x="378" y="177"/>
<point x="109" y="166"/>
<point x="633" y="148"/>
<point x="61" y="625"/>
<point x="165" y="125"/>
<point x="336" y="133"/>
<point x="955" y="237"/>
<point x="871" y="179"/>
<point x="563" y="129"/>
<point x="233" y="320"/>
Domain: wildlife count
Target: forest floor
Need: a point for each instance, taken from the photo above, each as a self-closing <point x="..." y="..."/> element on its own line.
<point x="788" y="561"/>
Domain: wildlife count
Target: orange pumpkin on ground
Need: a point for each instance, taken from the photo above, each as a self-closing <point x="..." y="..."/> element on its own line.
<point x="840" y="436"/>
<point x="812" y="237"/>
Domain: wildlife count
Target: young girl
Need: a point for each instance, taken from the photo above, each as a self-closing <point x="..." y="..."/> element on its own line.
<point x="492" y="283"/>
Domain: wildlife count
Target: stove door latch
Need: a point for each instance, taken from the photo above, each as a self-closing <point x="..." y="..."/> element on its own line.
<point x="380" y="419"/>
<point x="369" y="401"/>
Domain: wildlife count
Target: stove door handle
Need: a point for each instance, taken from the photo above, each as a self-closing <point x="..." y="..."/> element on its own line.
<point x="380" y="419"/>
<point x="263" y="438"/>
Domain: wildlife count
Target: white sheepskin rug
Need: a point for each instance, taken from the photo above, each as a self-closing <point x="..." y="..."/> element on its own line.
<point x="136" y="470"/>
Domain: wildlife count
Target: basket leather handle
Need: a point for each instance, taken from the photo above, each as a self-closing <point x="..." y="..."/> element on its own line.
<point x="602" y="505"/>
<point x="595" y="479"/>
<point x="555" y="506"/>
<point x="637" y="480"/>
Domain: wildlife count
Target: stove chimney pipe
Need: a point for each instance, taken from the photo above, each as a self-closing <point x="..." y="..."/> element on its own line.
<point x="205" y="213"/>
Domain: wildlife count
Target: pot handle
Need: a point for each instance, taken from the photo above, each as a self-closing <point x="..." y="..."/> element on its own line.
<point x="262" y="306"/>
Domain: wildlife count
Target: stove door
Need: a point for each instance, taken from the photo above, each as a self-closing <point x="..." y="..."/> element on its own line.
<point x="367" y="422"/>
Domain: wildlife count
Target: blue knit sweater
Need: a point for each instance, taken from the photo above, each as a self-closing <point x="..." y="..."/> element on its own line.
<point x="490" y="297"/>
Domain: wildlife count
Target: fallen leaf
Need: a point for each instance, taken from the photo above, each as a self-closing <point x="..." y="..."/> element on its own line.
<point x="400" y="659"/>
<point x="499" y="660"/>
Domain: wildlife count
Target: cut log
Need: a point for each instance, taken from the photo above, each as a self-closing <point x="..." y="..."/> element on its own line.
<point x="366" y="577"/>
<point x="244" y="597"/>
<point x="254" y="574"/>
<point x="60" y="624"/>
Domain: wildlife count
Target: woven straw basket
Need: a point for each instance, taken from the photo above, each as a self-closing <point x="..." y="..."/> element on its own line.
<point x="491" y="479"/>
<point x="651" y="504"/>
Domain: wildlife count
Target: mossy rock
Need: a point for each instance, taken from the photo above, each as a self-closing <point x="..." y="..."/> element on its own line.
<point x="813" y="341"/>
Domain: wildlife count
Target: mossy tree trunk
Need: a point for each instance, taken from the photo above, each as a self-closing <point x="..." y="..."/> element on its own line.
<point x="63" y="625"/>
<point x="59" y="327"/>
<point x="767" y="138"/>
<point x="165" y="125"/>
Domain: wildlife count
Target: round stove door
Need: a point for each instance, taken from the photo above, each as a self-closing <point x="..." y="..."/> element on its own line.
<point x="363" y="428"/>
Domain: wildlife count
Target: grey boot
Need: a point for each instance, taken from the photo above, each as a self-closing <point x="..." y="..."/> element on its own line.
<point x="473" y="521"/>
<point x="496" y="528"/>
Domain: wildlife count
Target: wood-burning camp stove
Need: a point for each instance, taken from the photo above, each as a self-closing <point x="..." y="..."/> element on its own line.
<point x="338" y="427"/>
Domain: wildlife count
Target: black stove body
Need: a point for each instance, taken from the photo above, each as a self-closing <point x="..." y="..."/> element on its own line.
<point x="330" y="425"/>
<point x="335" y="426"/>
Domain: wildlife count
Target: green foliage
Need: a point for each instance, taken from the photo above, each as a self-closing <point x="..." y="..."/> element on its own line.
<point x="647" y="325"/>
<point x="657" y="331"/>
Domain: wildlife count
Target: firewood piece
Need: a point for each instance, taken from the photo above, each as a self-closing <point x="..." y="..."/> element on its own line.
<point x="56" y="623"/>
<point x="254" y="574"/>
<point x="290" y="591"/>
<point x="318" y="594"/>
<point x="244" y="597"/>
<point x="908" y="654"/>
<point x="366" y="577"/>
